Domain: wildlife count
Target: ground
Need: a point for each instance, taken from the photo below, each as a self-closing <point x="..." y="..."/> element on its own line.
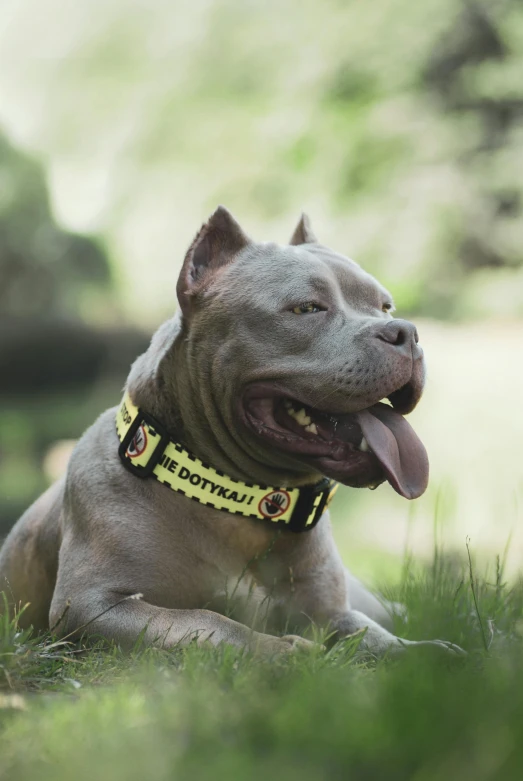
<point x="200" y="713"/>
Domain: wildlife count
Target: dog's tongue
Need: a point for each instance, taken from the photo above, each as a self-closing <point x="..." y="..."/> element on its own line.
<point x="398" y="449"/>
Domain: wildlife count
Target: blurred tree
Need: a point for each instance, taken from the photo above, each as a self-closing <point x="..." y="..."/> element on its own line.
<point x="44" y="269"/>
<point x="57" y="369"/>
<point x="398" y="125"/>
<point x="46" y="275"/>
<point x="477" y="45"/>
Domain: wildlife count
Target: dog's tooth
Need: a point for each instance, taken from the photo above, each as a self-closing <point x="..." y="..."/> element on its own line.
<point x="302" y="417"/>
<point x="312" y="428"/>
<point x="364" y="445"/>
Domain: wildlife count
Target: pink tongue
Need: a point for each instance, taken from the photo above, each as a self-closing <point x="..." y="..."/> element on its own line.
<point x="398" y="449"/>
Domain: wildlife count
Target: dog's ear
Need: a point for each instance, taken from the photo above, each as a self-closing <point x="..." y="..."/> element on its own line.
<point x="303" y="233"/>
<point x="216" y="244"/>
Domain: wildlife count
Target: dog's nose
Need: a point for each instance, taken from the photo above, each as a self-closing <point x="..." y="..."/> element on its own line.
<point x="402" y="335"/>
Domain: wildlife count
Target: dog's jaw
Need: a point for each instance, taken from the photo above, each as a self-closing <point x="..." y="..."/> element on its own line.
<point x="362" y="448"/>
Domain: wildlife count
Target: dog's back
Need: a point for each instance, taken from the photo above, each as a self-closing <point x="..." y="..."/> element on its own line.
<point x="29" y="558"/>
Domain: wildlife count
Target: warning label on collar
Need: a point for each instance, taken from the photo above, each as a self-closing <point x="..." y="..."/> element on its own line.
<point x="274" y="504"/>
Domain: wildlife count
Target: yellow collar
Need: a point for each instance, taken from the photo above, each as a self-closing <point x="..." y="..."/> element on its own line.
<point x="146" y="450"/>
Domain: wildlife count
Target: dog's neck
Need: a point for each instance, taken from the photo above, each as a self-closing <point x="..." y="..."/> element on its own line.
<point x="146" y="382"/>
<point x="161" y="384"/>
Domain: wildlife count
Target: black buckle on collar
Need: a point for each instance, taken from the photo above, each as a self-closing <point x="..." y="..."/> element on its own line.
<point x="305" y="503"/>
<point x="154" y="458"/>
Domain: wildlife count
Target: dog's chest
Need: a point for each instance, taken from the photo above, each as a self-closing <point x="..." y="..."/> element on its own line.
<point x="206" y="555"/>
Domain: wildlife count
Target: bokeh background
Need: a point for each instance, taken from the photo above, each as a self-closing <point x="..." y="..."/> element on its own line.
<point x="397" y="126"/>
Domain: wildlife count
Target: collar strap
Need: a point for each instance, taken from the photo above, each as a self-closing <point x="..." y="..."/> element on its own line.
<point x="147" y="450"/>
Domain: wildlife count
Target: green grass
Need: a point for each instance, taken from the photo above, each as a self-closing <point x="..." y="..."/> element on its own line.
<point x="201" y="713"/>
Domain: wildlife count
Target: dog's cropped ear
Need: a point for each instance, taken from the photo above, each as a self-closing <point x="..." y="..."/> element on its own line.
<point x="216" y="244"/>
<point x="303" y="233"/>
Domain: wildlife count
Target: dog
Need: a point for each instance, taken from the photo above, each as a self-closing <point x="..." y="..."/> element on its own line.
<point x="197" y="510"/>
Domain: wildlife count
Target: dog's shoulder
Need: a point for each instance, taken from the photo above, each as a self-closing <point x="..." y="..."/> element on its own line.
<point x="95" y="475"/>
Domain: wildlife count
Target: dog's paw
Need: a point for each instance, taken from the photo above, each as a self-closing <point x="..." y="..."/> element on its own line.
<point x="297" y="643"/>
<point x="267" y="645"/>
<point x="443" y="647"/>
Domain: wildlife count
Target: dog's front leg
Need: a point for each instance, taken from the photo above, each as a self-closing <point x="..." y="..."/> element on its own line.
<point x="315" y="587"/>
<point x="315" y="600"/>
<point x="124" y="619"/>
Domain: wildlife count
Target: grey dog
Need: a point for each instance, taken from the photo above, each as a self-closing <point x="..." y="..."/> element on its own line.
<point x="271" y="372"/>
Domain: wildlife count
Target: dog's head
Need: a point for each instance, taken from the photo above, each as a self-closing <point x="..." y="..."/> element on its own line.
<point x="291" y="349"/>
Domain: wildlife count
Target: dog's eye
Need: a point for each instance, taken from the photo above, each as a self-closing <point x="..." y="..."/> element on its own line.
<point x="308" y="308"/>
<point x="387" y="307"/>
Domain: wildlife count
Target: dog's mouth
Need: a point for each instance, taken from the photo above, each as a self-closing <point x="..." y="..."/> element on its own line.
<point x="359" y="449"/>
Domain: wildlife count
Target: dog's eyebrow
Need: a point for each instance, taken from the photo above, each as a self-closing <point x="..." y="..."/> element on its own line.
<point x="367" y="289"/>
<point x="387" y="297"/>
<point x="320" y="284"/>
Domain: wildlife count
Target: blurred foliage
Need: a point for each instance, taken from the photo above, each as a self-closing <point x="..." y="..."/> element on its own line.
<point x="53" y="364"/>
<point x="209" y="714"/>
<point x="399" y="126"/>
<point x="45" y="270"/>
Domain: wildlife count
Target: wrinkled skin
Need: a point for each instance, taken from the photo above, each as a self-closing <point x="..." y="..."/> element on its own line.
<point x="221" y="376"/>
<point x="332" y="361"/>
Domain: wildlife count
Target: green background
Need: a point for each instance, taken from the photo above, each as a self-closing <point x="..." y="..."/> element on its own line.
<point x="396" y="125"/>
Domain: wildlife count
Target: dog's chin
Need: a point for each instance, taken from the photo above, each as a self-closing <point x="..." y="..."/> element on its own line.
<point x="360" y="449"/>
